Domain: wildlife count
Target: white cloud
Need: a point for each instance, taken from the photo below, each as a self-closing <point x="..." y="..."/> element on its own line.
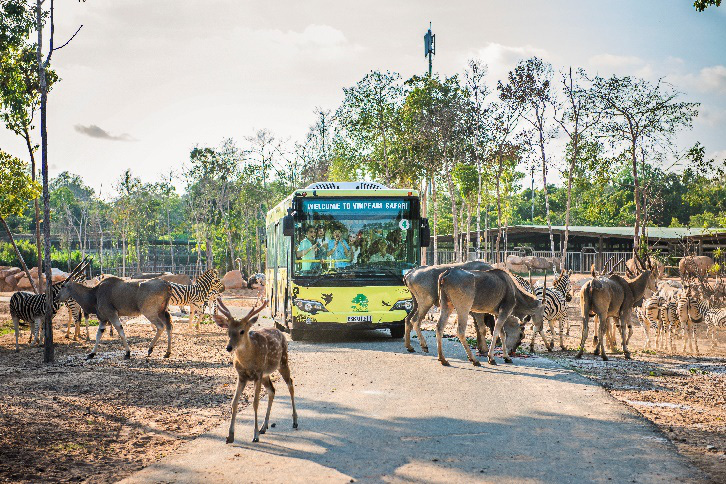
<point x="503" y="58"/>
<point x="717" y="155"/>
<point x="710" y="116"/>
<point x="315" y="42"/>
<point x="711" y="79"/>
<point x="615" y="61"/>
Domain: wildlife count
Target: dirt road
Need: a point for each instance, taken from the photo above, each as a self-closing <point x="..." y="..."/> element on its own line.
<point x="370" y="412"/>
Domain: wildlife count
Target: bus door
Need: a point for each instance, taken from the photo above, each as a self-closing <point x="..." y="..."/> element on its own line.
<point x="275" y="288"/>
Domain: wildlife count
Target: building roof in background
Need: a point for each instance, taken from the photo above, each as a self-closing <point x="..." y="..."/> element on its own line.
<point x="665" y="233"/>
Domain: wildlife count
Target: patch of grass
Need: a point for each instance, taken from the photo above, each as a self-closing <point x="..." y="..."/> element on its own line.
<point x="6" y="328"/>
<point x="93" y="322"/>
<point x="648" y="352"/>
<point x="697" y="371"/>
<point x="67" y="447"/>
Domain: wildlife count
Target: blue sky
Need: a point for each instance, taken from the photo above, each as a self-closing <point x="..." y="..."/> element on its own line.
<point x="145" y="81"/>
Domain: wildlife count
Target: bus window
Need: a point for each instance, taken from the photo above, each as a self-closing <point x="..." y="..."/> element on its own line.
<point x="357" y="236"/>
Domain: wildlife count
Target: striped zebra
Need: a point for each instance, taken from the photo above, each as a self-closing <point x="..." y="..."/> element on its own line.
<point x="650" y="317"/>
<point x="522" y="282"/>
<point x="715" y="318"/>
<point x="75" y="313"/>
<point x="30" y="308"/>
<point x="669" y="316"/>
<point x="206" y="289"/>
<point x="691" y="311"/>
<point x="555" y="303"/>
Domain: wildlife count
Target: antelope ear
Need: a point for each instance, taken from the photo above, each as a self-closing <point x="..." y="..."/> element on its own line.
<point x="252" y="321"/>
<point x="221" y="321"/>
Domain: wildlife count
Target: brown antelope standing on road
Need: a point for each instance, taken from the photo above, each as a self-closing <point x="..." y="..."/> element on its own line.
<point x="256" y="355"/>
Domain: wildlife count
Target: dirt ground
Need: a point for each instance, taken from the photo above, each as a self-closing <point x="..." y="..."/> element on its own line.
<point x="100" y="420"/>
<point x="683" y="394"/>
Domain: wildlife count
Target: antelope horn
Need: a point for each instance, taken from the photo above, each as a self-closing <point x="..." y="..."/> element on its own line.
<point x="78" y="269"/>
<point x="223" y="309"/>
<point x="638" y="261"/>
<point x="255" y="309"/>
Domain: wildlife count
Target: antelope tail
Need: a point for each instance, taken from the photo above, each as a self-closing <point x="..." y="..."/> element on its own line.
<point x="442" y="280"/>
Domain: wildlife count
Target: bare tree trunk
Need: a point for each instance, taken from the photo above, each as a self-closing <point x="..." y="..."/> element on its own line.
<point x="569" y="196"/>
<point x="19" y="255"/>
<point x="424" y="212"/>
<point x="478" y="210"/>
<point x="138" y="253"/>
<point x="29" y="145"/>
<point x="636" y="196"/>
<point x="436" y="219"/>
<point x="454" y="214"/>
<point x="210" y="253"/>
<point x="123" y="252"/>
<point x="468" y="232"/>
<point x="544" y="185"/>
<point x="49" y="350"/>
<point x="499" y="208"/>
<point x="100" y="244"/>
<point x="486" y="228"/>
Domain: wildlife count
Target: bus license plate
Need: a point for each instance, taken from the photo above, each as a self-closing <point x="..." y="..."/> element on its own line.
<point x="360" y="319"/>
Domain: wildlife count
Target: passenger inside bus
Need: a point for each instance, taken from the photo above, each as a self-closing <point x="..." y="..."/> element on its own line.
<point x="381" y="254"/>
<point x="339" y="253"/>
<point x="307" y="250"/>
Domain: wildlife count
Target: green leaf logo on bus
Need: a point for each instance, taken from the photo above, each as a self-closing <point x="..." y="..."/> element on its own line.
<point x="360" y="303"/>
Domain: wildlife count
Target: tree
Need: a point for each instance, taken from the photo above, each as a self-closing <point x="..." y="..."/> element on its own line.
<point x="16" y="189"/>
<point x="368" y="115"/>
<point x="641" y="115"/>
<point x="478" y="92"/>
<point x="529" y="87"/>
<point x="701" y="5"/>
<point x="43" y="68"/>
<point x="502" y="148"/>
<point x="20" y="85"/>
<point x="579" y="116"/>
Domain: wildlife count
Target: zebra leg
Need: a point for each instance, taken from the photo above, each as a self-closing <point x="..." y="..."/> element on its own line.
<point x="561" y="325"/>
<point x="193" y="309"/>
<point x="695" y="338"/>
<point x="88" y="337"/>
<point x="117" y="324"/>
<point x="552" y="333"/>
<point x="99" y="334"/>
<point x="37" y="323"/>
<point x="77" y="317"/>
<point x="70" y="321"/>
<point x="16" y="327"/>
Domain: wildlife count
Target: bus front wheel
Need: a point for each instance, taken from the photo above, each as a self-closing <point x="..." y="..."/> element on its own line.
<point x="298" y="334"/>
<point x="397" y="331"/>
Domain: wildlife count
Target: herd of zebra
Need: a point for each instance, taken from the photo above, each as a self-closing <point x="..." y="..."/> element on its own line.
<point x="30" y="307"/>
<point x="670" y="313"/>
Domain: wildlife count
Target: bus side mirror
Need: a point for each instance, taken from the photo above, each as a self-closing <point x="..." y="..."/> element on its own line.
<point x="425" y="233"/>
<point x="288" y="226"/>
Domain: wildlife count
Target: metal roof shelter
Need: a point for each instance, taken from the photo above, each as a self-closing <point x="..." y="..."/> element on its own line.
<point x="594" y="241"/>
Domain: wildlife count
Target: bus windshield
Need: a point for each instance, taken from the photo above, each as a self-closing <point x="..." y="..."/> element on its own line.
<point x="366" y="237"/>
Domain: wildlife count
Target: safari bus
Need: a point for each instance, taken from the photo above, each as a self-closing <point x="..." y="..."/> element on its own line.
<point x="337" y="253"/>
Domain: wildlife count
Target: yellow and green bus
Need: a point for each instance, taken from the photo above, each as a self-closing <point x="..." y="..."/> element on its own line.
<point x="336" y="256"/>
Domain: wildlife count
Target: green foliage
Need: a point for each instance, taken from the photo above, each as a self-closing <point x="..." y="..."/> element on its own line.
<point x="16" y="187"/>
<point x="701" y="5"/>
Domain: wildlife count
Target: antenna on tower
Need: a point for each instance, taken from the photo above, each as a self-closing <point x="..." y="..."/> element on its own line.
<point x="429" y="46"/>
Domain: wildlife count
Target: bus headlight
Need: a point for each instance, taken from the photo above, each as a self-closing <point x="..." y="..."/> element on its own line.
<point x="311" y="307"/>
<point x="404" y="305"/>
